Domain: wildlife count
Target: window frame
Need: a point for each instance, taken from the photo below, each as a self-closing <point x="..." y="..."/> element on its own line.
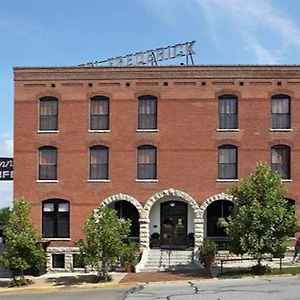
<point x="285" y="166"/>
<point x="232" y="117"/>
<point x="274" y="115"/>
<point x="142" y="99"/>
<point x="105" y="165"/>
<point x="146" y="165"/>
<point x="55" y="219"/>
<point x="44" y="148"/>
<point x="235" y="164"/>
<point x="44" y="99"/>
<point x="104" y="116"/>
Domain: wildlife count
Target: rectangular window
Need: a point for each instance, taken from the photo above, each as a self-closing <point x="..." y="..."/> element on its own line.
<point x="99" y="119"/>
<point x="281" y="161"/>
<point x="48" y="114"/>
<point x="147" y="112"/>
<point x="47" y="163"/>
<point x="281" y="118"/>
<point x="228" y="116"/>
<point x="227" y="166"/>
<point x="56" y="219"/>
<point x="146" y="163"/>
<point x="98" y="163"/>
<point x="58" y="261"/>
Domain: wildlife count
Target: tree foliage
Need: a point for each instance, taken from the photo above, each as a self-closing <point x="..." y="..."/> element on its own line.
<point x="4" y="216"/>
<point x="23" y="249"/>
<point x="262" y="221"/>
<point x="104" y="239"/>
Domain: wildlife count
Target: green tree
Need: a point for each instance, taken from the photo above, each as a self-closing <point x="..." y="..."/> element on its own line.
<point x="4" y="216"/>
<point x="23" y="249"/>
<point x="262" y="221"/>
<point x="104" y="239"/>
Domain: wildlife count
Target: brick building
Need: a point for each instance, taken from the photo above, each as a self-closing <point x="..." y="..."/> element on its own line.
<point x="161" y="145"/>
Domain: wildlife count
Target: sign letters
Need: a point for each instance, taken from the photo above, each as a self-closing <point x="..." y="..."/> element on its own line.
<point x="6" y="168"/>
<point x="149" y="57"/>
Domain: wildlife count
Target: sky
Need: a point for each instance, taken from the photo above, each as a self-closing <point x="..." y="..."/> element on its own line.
<point x="71" y="32"/>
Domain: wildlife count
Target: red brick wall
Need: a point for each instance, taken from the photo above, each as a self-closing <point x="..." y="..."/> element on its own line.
<point x="186" y="140"/>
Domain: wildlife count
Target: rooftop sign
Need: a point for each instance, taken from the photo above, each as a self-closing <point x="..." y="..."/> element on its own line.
<point x="149" y="57"/>
<point x="6" y="168"/>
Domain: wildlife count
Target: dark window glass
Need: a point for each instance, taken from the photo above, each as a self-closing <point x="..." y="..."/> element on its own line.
<point x="281" y="117"/>
<point x="48" y="163"/>
<point x="56" y="218"/>
<point x="58" y="261"/>
<point x="281" y="160"/>
<point x="228" y="113"/>
<point x="146" y="162"/>
<point x="99" y="119"/>
<point x="98" y="162"/>
<point x="227" y="163"/>
<point x="48" y="113"/>
<point x="147" y="112"/>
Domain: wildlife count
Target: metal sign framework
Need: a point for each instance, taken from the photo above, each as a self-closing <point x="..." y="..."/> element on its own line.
<point x="150" y="57"/>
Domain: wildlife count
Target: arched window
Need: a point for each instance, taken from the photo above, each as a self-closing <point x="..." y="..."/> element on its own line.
<point x="228" y="112"/>
<point x="47" y="163"/>
<point x="227" y="162"/>
<point x="146" y="162"/>
<point x="56" y="218"/>
<point x="99" y="163"/>
<point x="281" y="112"/>
<point x="280" y="160"/>
<point x="48" y="114"/>
<point x="147" y="112"/>
<point x="99" y="113"/>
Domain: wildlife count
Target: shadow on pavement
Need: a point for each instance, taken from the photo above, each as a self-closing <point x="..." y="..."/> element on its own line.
<point x="72" y="280"/>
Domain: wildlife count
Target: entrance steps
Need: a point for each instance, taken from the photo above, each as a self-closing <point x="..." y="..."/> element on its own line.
<point x="154" y="260"/>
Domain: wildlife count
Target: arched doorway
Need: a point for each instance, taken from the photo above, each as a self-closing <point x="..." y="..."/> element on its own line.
<point x="215" y="211"/>
<point x="127" y="211"/>
<point x="173" y="224"/>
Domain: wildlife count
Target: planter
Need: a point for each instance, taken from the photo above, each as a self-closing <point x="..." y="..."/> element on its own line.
<point x="208" y="260"/>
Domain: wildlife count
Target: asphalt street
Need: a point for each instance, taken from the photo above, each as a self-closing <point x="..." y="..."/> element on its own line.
<point x="279" y="288"/>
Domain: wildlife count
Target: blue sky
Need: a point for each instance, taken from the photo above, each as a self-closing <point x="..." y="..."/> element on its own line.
<point x="70" y="32"/>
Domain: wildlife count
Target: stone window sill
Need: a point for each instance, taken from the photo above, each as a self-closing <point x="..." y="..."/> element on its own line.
<point x="55" y="239"/>
<point x="228" y="130"/>
<point x="146" y="130"/>
<point x="227" y="180"/>
<point x="99" y="131"/>
<point x="281" y="130"/>
<point x="46" y="181"/>
<point x="98" y="180"/>
<point x="146" y="180"/>
<point x="286" y="180"/>
<point x="47" y="131"/>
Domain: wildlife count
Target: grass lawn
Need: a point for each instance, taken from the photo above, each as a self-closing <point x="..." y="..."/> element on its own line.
<point x="247" y="272"/>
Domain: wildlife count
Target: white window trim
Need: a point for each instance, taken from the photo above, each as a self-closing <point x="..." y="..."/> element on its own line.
<point x="46" y="181"/>
<point x="228" y="130"/>
<point x="147" y="130"/>
<point x="98" y="180"/>
<point x="55" y="239"/>
<point x="227" y="180"/>
<point x="281" y="130"/>
<point x="146" y="180"/>
<point x="286" y="180"/>
<point x="99" y="131"/>
<point x="47" y="131"/>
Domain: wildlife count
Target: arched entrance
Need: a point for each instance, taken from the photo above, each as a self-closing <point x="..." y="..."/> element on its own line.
<point x="172" y="214"/>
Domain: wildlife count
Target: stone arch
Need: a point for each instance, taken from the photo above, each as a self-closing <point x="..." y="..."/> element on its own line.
<point x="145" y="221"/>
<point x="206" y="203"/>
<point x="123" y="197"/>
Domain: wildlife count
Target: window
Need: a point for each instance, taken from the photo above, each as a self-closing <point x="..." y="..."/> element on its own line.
<point x="48" y="113"/>
<point x="98" y="162"/>
<point x="228" y="113"/>
<point x="146" y="162"/>
<point x="47" y="163"/>
<point x="58" y="261"/>
<point x="281" y="160"/>
<point x="56" y="218"/>
<point x="281" y="117"/>
<point x="227" y="162"/>
<point x="147" y="112"/>
<point x="99" y="110"/>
